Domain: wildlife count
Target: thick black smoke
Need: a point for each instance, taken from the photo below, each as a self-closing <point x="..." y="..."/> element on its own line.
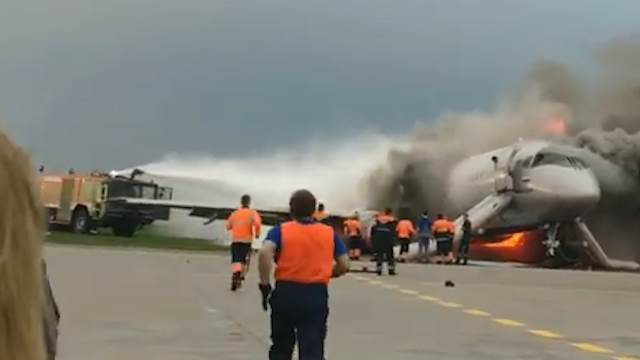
<point x="602" y="115"/>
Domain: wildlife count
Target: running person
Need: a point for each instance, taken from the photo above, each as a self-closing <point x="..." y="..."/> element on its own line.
<point x="245" y="225"/>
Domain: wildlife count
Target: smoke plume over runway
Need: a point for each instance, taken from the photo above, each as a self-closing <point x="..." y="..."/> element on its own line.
<point x="599" y="114"/>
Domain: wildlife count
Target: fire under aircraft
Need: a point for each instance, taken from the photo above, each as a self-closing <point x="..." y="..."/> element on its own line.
<point x="529" y="185"/>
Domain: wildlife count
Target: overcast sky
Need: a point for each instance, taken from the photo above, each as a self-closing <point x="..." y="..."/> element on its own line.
<point x="109" y="84"/>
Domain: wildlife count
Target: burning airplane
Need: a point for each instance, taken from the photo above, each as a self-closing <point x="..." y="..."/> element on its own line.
<point x="533" y="186"/>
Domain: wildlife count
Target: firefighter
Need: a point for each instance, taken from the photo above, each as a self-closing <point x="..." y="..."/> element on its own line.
<point x="353" y="232"/>
<point x="383" y="237"/>
<point x="424" y="236"/>
<point x="443" y="231"/>
<point x="465" y="240"/>
<point x="305" y="251"/>
<point x="405" y="232"/>
<point x="245" y="225"/>
<point x="320" y="214"/>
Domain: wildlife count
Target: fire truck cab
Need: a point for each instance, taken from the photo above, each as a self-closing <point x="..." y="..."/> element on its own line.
<point x="86" y="202"/>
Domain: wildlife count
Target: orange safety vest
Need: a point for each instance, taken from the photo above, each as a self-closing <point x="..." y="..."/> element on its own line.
<point x="405" y="229"/>
<point x="306" y="254"/>
<point x="443" y="226"/>
<point x="320" y="215"/>
<point x="352" y="227"/>
<point x="245" y="225"/>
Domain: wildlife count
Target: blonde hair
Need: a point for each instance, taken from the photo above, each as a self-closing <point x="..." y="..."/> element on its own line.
<point x="21" y="229"/>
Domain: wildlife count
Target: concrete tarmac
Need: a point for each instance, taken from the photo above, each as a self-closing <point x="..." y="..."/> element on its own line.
<point x="133" y="304"/>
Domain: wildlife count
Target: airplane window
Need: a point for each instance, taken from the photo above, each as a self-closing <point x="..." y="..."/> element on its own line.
<point x="552" y="159"/>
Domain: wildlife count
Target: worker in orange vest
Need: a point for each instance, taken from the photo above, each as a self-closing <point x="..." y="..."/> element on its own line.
<point x="245" y="225"/>
<point x="353" y="232"/>
<point x="321" y="214"/>
<point x="444" y="231"/>
<point x="405" y="231"/>
<point x="307" y="255"/>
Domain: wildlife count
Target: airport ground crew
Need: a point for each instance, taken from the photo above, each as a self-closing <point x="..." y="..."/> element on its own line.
<point x="405" y="232"/>
<point x="245" y="225"/>
<point x="424" y="236"/>
<point x="305" y="252"/>
<point x="382" y="238"/>
<point x="321" y="214"/>
<point x="353" y="232"/>
<point x="444" y="231"/>
<point x="465" y="241"/>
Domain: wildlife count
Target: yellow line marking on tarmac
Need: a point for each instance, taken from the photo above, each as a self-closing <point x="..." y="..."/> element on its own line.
<point x="476" y="312"/>
<point x="546" y="334"/>
<point x="449" y="304"/>
<point x="508" y="322"/>
<point x="409" y="292"/>
<point x="592" y="348"/>
<point x="429" y="298"/>
<point x="588" y="347"/>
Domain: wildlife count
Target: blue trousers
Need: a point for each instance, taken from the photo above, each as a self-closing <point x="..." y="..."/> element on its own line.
<point x="299" y="314"/>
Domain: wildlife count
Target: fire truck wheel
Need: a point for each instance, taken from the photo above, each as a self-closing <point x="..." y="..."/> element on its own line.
<point x="80" y="222"/>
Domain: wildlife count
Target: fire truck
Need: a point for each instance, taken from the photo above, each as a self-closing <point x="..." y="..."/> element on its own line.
<point x="86" y="202"/>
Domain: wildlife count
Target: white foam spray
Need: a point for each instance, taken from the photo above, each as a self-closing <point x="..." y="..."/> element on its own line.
<point x="333" y="170"/>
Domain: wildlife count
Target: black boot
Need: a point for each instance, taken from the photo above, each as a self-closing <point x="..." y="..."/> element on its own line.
<point x="379" y="270"/>
<point x="236" y="281"/>
<point x="392" y="272"/>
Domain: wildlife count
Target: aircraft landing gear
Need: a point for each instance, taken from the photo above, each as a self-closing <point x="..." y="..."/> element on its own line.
<point x="551" y="241"/>
<point x="563" y="248"/>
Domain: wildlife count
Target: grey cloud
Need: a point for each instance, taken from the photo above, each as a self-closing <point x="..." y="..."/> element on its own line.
<point x="116" y="83"/>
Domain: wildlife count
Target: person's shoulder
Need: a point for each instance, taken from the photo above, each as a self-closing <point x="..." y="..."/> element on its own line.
<point x="275" y="233"/>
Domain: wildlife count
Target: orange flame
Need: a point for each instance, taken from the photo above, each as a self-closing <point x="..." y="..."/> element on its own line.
<point x="513" y="241"/>
<point x="555" y="126"/>
<point x="524" y="247"/>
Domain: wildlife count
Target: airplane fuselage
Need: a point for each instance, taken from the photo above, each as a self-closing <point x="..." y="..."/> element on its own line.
<point x="554" y="185"/>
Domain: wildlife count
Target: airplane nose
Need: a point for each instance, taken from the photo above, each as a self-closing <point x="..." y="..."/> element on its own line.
<point x="583" y="189"/>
